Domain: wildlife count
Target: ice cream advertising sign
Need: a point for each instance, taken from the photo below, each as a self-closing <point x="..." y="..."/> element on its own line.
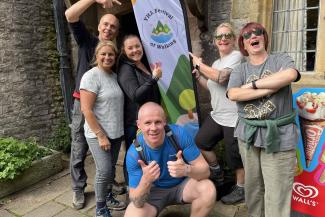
<point x="162" y="30"/>
<point x="308" y="195"/>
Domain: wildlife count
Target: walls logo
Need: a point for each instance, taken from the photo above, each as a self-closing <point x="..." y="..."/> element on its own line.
<point x="306" y="194"/>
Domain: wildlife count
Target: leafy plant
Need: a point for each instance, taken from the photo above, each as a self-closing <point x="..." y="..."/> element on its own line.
<point x="61" y="139"/>
<point x="16" y="156"/>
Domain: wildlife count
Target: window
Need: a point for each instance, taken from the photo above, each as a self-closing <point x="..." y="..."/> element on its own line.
<point x="295" y="25"/>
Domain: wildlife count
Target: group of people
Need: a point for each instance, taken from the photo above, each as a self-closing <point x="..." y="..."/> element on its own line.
<point x="117" y="95"/>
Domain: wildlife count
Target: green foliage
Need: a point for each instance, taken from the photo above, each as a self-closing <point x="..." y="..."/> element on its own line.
<point x="61" y="139"/>
<point x="16" y="156"/>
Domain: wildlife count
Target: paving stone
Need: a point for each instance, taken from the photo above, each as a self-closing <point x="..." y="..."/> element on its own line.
<point x="66" y="198"/>
<point x="31" y="198"/>
<point x="222" y="210"/>
<point x="70" y="213"/>
<point x="46" y="210"/>
<point x="5" y="213"/>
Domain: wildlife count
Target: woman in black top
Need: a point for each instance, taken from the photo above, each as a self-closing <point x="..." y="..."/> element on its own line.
<point x="138" y="83"/>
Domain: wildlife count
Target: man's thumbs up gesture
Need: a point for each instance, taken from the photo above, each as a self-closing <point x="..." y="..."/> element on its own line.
<point x="150" y="172"/>
<point x="178" y="168"/>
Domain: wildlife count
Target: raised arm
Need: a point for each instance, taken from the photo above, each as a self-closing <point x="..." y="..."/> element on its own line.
<point x="74" y="12"/>
<point x="220" y="76"/>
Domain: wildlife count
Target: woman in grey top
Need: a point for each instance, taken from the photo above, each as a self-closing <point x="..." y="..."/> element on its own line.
<point x="219" y="125"/>
<point x="102" y="105"/>
<point x="266" y="130"/>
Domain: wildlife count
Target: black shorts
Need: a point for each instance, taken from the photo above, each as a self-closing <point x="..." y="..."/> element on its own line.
<point x="162" y="197"/>
<point x="211" y="133"/>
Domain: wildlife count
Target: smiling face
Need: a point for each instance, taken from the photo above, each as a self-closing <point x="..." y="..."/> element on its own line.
<point x="105" y="58"/>
<point x="108" y="27"/>
<point x="151" y="121"/>
<point x="224" y="40"/>
<point x="133" y="49"/>
<point x="254" y="41"/>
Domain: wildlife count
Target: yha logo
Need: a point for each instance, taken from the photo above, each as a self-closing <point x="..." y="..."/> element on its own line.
<point x="305" y="190"/>
<point x="306" y="194"/>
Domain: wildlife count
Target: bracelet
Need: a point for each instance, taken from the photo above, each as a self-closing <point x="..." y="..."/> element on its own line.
<point x="98" y="132"/>
<point x="187" y="169"/>
<point x="254" y="84"/>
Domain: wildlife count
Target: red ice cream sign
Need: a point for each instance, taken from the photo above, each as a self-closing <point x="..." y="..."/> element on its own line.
<point x="308" y="192"/>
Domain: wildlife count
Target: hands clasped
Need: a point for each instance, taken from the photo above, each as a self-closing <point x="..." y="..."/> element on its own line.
<point x="108" y="3"/>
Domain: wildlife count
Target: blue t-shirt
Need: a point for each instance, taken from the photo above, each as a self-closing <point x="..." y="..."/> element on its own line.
<point x="162" y="155"/>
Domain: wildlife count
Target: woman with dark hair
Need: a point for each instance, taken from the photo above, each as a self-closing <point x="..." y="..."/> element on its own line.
<point x="102" y="103"/>
<point x="219" y="125"/>
<point x="138" y="83"/>
<point x="266" y="130"/>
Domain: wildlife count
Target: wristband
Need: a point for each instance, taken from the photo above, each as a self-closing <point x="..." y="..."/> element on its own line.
<point x="155" y="78"/>
<point x="254" y="84"/>
<point x="197" y="66"/>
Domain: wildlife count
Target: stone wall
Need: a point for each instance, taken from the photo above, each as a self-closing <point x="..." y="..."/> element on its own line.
<point x="31" y="102"/>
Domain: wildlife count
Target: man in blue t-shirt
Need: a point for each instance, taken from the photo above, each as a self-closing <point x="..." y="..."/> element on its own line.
<point x="162" y="177"/>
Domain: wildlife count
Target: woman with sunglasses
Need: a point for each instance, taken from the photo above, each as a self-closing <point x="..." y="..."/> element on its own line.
<point x="219" y="125"/>
<point x="266" y="130"/>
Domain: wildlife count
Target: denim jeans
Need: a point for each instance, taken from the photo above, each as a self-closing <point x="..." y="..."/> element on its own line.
<point x="268" y="181"/>
<point x="105" y="162"/>
<point x="79" y="148"/>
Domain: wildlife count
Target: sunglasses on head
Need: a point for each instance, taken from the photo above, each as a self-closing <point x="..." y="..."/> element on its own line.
<point x="256" y="32"/>
<point x="226" y="35"/>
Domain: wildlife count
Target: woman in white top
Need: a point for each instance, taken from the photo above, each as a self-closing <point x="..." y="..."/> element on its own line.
<point x="219" y="125"/>
<point x="102" y="105"/>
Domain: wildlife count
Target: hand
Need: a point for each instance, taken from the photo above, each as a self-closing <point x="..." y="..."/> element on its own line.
<point x="150" y="172"/>
<point x="104" y="143"/>
<point x="177" y="168"/>
<point x="196" y="74"/>
<point x="108" y="3"/>
<point x="157" y="71"/>
<point x="195" y="60"/>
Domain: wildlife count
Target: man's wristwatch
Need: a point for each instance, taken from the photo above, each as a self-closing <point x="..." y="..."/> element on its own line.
<point x="254" y="84"/>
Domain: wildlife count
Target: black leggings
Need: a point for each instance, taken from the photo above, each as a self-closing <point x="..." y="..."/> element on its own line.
<point x="210" y="133"/>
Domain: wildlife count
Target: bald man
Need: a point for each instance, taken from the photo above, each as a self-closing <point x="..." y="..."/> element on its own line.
<point x="162" y="177"/>
<point x="108" y="30"/>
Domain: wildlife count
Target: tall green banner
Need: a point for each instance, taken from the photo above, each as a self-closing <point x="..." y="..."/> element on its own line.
<point x="162" y="27"/>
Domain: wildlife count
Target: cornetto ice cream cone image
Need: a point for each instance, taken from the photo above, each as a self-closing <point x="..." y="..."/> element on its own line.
<point x="311" y="108"/>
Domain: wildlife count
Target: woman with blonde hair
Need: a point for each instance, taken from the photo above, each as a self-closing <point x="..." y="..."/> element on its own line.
<point x="219" y="125"/>
<point x="102" y="103"/>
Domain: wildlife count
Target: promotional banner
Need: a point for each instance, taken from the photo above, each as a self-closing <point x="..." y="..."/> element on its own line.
<point x="163" y="33"/>
<point x="308" y="195"/>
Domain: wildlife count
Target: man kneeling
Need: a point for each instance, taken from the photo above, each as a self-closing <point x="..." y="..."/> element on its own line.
<point x="158" y="176"/>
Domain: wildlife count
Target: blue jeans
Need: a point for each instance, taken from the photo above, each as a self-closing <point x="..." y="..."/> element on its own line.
<point x="105" y="162"/>
<point x="79" y="148"/>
